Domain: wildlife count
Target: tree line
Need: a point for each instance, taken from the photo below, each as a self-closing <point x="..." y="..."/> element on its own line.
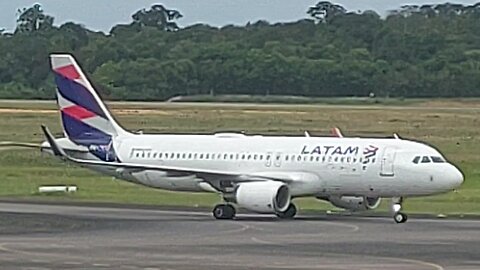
<point x="414" y="51"/>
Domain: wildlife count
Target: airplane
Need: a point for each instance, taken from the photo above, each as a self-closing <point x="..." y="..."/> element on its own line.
<point x="262" y="174"/>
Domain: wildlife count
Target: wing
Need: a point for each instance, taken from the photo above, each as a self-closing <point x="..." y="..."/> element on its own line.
<point x="132" y="167"/>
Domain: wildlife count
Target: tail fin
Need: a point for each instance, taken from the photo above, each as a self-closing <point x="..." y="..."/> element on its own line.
<point x="85" y="118"/>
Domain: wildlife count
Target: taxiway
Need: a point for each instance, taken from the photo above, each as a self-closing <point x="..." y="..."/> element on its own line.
<point x="37" y="236"/>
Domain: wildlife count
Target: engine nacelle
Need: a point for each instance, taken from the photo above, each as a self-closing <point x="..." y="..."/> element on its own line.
<point x="353" y="203"/>
<point x="267" y="197"/>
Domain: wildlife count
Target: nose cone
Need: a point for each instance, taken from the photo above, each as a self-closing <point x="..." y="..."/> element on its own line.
<point x="454" y="177"/>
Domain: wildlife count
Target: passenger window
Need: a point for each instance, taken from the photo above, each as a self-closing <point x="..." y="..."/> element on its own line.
<point x="299" y="158"/>
<point x="311" y="158"/>
<point x="426" y="159"/>
<point x="416" y="160"/>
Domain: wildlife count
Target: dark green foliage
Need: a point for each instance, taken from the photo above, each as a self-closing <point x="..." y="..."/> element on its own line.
<point x="416" y="51"/>
<point x="33" y="19"/>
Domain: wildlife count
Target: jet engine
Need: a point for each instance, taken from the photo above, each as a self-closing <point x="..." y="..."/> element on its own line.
<point x="268" y="197"/>
<point x="354" y="203"/>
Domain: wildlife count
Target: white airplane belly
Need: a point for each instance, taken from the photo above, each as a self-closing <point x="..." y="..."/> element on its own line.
<point x="161" y="180"/>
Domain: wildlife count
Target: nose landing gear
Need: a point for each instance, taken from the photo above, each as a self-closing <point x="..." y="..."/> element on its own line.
<point x="398" y="216"/>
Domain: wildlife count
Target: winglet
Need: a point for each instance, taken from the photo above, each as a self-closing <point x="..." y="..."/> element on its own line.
<point x="57" y="151"/>
<point x="336" y="132"/>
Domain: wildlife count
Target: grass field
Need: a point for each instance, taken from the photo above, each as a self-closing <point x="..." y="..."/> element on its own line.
<point x="451" y="126"/>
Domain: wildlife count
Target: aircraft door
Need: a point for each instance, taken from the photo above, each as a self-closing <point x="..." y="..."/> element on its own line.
<point x="387" y="162"/>
<point x="278" y="159"/>
<point x="268" y="159"/>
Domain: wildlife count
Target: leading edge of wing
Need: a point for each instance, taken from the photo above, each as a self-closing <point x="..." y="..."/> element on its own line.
<point x="59" y="152"/>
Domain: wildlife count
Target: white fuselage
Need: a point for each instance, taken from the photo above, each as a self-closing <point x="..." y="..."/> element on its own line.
<point x="318" y="166"/>
<point x="341" y="166"/>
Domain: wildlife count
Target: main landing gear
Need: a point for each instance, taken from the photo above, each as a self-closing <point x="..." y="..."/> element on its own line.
<point x="227" y="211"/>
<point x="289" y="213"/>
<point x="398" y="216"/>
<point x="224" y="211"/>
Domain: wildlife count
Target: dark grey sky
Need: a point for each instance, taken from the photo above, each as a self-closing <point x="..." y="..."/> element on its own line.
<point x="103" y="14"/>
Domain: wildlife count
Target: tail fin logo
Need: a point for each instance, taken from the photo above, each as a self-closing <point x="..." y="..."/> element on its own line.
<point x="86" y="120"/>
<point x="68" y="72"/>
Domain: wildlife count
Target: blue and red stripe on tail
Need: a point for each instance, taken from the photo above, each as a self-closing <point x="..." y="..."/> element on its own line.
<point x="85" y="118"/>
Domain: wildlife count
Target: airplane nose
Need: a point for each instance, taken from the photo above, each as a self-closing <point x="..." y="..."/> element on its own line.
<point x="456" y="177"/>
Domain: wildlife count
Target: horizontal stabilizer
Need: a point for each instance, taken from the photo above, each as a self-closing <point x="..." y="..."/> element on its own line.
<point x="20" y="144"/>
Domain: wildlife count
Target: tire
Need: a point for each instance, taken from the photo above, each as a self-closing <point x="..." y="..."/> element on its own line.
<point x="289" y="213"/>
<point x="224" y="211"/>
<point x="400" y="218"/>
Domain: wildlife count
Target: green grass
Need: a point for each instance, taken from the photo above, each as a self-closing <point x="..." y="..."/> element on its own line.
<point x="451" y="126"/>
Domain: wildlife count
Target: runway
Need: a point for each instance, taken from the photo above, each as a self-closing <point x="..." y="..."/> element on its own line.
<point x="35" y="236"/>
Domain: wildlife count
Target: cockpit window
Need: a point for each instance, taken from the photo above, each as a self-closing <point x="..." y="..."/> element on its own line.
<point x="436" y="159"/>
<point x="426" y="159"/>
<point x="416" y="159"/>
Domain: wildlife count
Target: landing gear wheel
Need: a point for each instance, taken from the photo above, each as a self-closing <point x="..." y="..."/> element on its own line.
<point x="224" y="211"/>
<point x="400" y="217"/>
<point x="289" y="213"/>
